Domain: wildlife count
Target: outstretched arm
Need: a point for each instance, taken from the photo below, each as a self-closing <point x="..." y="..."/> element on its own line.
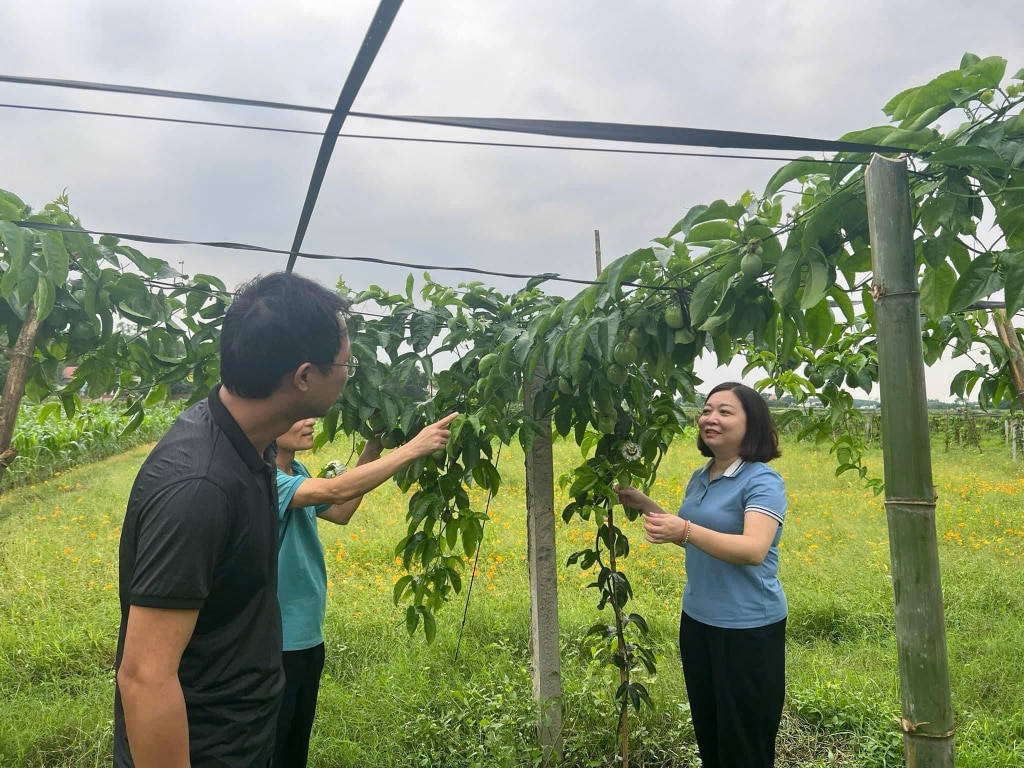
<point x="350" y="486"/>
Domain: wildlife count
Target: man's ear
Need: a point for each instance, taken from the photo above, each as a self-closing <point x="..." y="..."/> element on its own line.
<point x="300" y="377"/>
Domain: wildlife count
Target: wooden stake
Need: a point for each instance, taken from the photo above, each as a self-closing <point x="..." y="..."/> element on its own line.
<point x="543" y="568"/>
<point x="597" y="250"/>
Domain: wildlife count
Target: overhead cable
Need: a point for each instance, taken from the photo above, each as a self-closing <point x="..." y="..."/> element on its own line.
<point x="548" y="276"/>
<point x="420" y="140"/>
<point x="626" y="132"/>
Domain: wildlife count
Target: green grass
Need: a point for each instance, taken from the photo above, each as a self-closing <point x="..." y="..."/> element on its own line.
<point x="388" y="700"/>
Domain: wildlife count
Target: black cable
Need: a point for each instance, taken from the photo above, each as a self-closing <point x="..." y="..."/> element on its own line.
<point x="368" y="259"/>
<point x="646" y="134"/>
<point x="318" y="256"/>
<point x="379" y="26"/>
<point x="512" y="145"/>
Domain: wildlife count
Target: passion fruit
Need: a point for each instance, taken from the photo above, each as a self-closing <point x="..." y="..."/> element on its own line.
<point x="617" y="374"/>
<point x="624" y="353"/>
<point x="674" y="316"/>
<point x="751" y="266"/>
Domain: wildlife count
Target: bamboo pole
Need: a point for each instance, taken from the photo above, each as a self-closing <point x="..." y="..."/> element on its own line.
<point x="926" y="702"/>
<point x="1008" y="335"/>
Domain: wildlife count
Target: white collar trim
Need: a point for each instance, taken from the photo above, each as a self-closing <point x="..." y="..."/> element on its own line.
<point x="731" y="471"/>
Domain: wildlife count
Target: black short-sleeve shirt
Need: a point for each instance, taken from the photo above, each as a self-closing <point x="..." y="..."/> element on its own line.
<point x="200" y="532"/>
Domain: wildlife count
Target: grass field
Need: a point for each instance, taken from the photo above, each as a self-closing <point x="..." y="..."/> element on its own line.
<point x="388" y="700"/>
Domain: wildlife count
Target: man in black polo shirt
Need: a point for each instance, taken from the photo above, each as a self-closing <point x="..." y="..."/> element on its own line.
<point x="199" y="673"/>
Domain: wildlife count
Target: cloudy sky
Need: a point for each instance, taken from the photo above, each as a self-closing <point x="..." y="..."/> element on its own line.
<point x="804" y="67"/>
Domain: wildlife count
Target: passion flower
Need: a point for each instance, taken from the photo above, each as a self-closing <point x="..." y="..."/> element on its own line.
<point x="631" y="451"/>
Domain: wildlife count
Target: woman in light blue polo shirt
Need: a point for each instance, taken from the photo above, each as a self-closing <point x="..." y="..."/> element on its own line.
<point x="733" y="626"/>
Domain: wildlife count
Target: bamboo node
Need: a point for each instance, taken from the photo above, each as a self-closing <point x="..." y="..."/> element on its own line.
<point x="913" y="502"/>
<point x="880" y="292"/>
<point x="910" y="727"/>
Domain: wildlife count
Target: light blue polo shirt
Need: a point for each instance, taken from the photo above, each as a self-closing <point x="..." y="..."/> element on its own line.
<point x="301" y="570"/>
<point x="724" y="594"/>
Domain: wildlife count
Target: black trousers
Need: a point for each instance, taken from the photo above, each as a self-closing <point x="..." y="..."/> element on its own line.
<point x="302" y="671"/>
<point x="736" y="683"/>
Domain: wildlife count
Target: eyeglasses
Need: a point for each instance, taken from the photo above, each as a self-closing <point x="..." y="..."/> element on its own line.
<point x="352" y="364"/>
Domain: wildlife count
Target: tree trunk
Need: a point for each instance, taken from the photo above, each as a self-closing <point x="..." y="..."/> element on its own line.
<point x="21" y="356"/>
<point x="926" y="701"/>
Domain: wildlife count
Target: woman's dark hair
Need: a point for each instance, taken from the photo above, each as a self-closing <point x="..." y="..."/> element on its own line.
<point x="276" y="323"/>
<point x="761" y="441"/>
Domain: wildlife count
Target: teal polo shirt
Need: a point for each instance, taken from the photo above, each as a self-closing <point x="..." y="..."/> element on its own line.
<point x="301" y="570"/>
<point x="724" y="594"/>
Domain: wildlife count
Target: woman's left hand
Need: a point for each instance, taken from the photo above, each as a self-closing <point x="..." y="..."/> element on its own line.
<point x="663" y="528"/>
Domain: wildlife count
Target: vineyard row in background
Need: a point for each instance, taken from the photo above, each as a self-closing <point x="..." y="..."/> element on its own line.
<point x="48" y="441"/>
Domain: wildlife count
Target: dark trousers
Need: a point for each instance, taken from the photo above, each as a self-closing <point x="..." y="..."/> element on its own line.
<point x="736" y="682"/>
<point x="302" y="670"/>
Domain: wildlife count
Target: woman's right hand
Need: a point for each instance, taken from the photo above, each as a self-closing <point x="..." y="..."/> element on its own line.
<point x="632" y="497"/>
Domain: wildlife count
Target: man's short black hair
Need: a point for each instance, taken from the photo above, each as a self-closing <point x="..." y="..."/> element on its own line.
<point x="761" y="441"/>
<point x="276" y="323"/>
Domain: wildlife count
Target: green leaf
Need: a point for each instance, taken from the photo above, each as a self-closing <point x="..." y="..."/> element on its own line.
<point x="966" y="156"/>
<point x="44" y="298"/>
<point x="789" y="336"/>
<point x="70" y="402"/>
<point x="936" y="212"/>
<point x="936" y="290"/>
<point x="11" y="206"/>
<point x="989" y="71"/>
<point x="134" y="423"/>
<point x="56" y="256"/>
<point x="1013" y="264"/>
<point x="720" y="209"/>
<point x="421" y="330"/>
<point x="625" y="269"/>
<point x="968" y="60"/>
<point x="711" y="232"/>
<point x="400" y="586"/>
<point x="802" y="166"/>
<point x="788" y="271"/>
<point x="412" y="619"/>
<point x="940" y="92"/>
<point x="845" y="304"/>
<point x="19" y="246"/>
<point x="819" y="323"/>
<point x="724" y="350"/>
<point x="817" y="279"/>
<point x="685" y="223"/>
<point x="912" y="138"/>
<point x="978" y="281"/>
<point x="429" y="626"/>
<point x="704" y="299"/>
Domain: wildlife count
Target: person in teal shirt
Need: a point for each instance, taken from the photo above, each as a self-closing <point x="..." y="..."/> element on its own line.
<point x="302" y="572"/>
